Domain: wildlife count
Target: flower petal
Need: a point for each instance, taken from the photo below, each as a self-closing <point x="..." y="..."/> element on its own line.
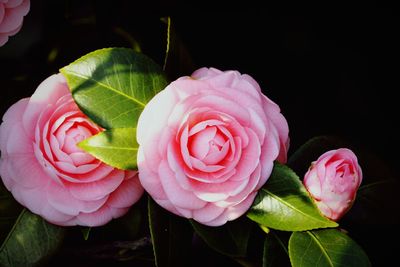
<point x="176" y="194"/>
<point x="127" y="194"/>
<point x="97" y="189"/>
<point x="61" y="199"/>
<point x="47" y="93"/>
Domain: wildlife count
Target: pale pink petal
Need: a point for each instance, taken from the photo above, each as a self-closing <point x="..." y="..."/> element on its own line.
<point x="208" y="213"/>
<point x="219" y="192"/>
<point x="269" y="151"/>
<point x="273" y="112"/>
<point x="158" y="109"/>
<point x="98" y="189"/>
<point x="25" y="171"/>
<point x="4" y="175"/>
<point x="205" y="73"/>
<point x="18" y="141"/>
<point x="13" y="115"/>
<point x="224" y="105"/>
<point x="127" y="194"/>
<point x="149" y="179"/>
<point x="184" y="147"/>
<point x="234" y="212"/>
<point x="13" y="17"/>
<point x="48" y="92"/>
<point x="244" y="193"/>
<point x="36" y="201"/>
<point x="199" y="146"/>
<point x="2" y="12"/>
<point x="216" y="157"/>
<point x="81" y="158"/>
<point x="248" y="85"/>
<point x="250" y="157"/>
<point x="73" y="170"/>
<point x="3" y="39"/>
<point x="97" y="218"/>
<point x="199" y="166"/>
<point x="13" y="3"/>
<point x="15" y="31"/>
<point x="203" y="124"/>
<point x="98" y="173"/>
<point x="61" y="199"/>
<point x="187" y="213"/>
<point x="176" y="194"/>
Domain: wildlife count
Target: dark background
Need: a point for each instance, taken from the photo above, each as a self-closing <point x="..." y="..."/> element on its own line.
<point x="331" y="70"/>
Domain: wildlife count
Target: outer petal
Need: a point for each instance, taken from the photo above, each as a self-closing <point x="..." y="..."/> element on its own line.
<point x="48" y="92"/>
<point x="13" y="115"/>
<point x="60" y="198"/>
<point x="98" y="189"/>
<point x="128" y="193"/>
<point x="14" y="16"/>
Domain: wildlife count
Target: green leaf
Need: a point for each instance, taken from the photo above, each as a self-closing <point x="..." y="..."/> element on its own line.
<point x="230" y="239"/>
<point x="284" y="204"/>
<point x="328" y="247"/>
<point x="30" y="242"/>
<point x="116" y="147"/>
<point x="171" y="237"/>
<point x="113" y="85"/>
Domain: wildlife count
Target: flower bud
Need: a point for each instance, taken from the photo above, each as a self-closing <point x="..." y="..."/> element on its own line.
<point x="333" y="181"/>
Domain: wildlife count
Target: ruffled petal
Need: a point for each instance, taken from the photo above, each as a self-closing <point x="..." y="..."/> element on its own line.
<point x="176" y="194"/>
<point x="61" y="199"/>
<point x="98" y="189"/>
<point x="13" y="17"/>
<point x="127" y="194"/>
<point x="47" y="93"/>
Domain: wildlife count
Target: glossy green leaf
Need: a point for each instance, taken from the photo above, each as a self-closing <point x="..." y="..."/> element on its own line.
<point x="116" y="147"/>
<point x="327" y="247"/>
<point x="113" y="85"/>
<point x="284" y="204"/>
<point x="30" y="241"/>
<point x="230" y="239"/>
<point x="171" y="237"/>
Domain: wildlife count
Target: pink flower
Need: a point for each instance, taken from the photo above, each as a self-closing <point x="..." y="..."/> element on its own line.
<point x="333" y="181"/>
<point x="45" y="170"/>
<point x="12" y="14"/>
<point x="207" y="144"/>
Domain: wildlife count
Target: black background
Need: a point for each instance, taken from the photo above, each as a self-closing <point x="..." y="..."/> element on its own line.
<point x="330" y="69"/>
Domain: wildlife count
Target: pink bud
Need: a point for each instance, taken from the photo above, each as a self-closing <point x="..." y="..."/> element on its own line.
<point x="333" y="181"/>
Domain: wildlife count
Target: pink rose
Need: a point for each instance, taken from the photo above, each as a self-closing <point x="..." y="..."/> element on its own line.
<point x="207" y="144"/>
<point x="45" y="170"/>
<point x="333" y="181"/>
<point x="12" y="14"/>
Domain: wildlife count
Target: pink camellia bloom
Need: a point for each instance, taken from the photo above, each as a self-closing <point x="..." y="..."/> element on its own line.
<point x="207" y="144"/>
<point x="12" y="14"/>
<point x="45" y="170"/>
<point x="333" y="181"/>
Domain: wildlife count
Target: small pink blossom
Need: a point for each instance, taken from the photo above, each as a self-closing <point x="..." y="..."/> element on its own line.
<point x="333" y="181"/>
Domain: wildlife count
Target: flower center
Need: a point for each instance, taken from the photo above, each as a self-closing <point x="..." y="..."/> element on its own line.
<point x="73" y="136"/>
<point x="209" y="145"/>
